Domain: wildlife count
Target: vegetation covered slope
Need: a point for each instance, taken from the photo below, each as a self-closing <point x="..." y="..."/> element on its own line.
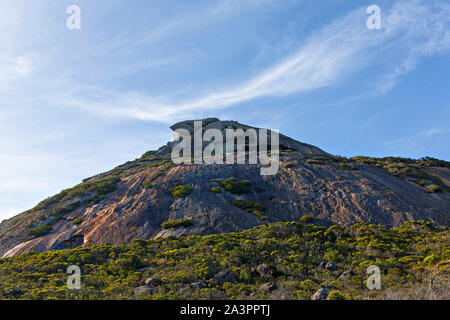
<point x="274" y="261"/>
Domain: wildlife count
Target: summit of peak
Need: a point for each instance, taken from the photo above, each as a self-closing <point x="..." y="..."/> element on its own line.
<point x="215" y="123"/>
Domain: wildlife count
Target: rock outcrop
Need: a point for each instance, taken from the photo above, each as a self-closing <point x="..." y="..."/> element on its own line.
<point x="285" y="143"/>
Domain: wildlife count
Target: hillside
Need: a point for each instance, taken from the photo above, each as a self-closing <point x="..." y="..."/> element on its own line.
<point x="288" y="260"/>
<point x="151" y="197"/>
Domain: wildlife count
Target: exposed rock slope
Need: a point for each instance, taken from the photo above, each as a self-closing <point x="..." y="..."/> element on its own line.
<point x="135" y="199"/>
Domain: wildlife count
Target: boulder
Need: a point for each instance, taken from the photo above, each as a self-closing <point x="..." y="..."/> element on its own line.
<point x="321" y="294"/>
<point x="222" y="277"/>
<point x="197" y="285"/>
<point x="144" y="269"/>
<point x="153" y="282"/>
<point x="143" y="290"/>
<point x="331" y="266"/>
<point x="264" y="270"/>
<point x="268" y="287"/>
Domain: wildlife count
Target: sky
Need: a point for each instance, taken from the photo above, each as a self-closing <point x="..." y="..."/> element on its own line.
<point x="77" y="102"/>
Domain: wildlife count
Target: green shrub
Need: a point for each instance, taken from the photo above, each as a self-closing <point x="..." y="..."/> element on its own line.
<point x="305" y="219"/>
<point x="59" y="212"/>
<point x="236" y="187"/>
<point x="290" y="164"/>
<point x="313" y="161"/>
<point x="421" y="183"/>
<point x="345" y="166"/>
<point x="216" y="189"/>
<point x="148" y="185"/>
<point x="77" y="221"/>
<point x="100" y="186"/>
<point x="405" y="167"/>
<point x="172" y="224"/>
<point x="434" y="188"/>
<point x="431" y="259"/>
<point x="181" y="191"/>
<point x="335" y="295"/>
<point x="251" y="207"/>
<point x="38" y="231"/>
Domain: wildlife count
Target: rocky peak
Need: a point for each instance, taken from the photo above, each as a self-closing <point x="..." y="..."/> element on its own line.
<point x="286" y="143"/>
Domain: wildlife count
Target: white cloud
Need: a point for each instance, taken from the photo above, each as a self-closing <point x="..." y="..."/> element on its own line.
<point x="237" y="6"/>
<point x="410" y="31"/>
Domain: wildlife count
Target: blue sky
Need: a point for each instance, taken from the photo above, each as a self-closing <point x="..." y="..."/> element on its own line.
<point x="74" y="103"/>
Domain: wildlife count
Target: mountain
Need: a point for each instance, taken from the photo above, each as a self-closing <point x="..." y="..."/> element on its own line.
<point x="151" y="197"/>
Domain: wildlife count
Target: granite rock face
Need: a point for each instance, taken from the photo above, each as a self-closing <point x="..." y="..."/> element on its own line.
<point x="142" y="199"/>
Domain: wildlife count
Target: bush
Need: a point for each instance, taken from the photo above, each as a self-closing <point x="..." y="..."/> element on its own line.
<point x="313" y="161"/>
<point x="100" y="187"/>
<point x="59" y="212"/>
<point x="216" y="189"/>
<point x="251" y="207"/>
<point x="305" y="219"/>
<point x="345" y="166"/>
<point x="421" y="183"/>
<point x="405" y="168"/>
<point x="38" y="231"/>
<point x="434" y="188"/>
<point x="181" y="191"/>
<point x="290" y="164"/>
<point x="77" y="221"/>
<point x="172" y="224"/>
<point x="148" y="185"/>
<point x="235" y="187"/>
<point x="335" y="295"/>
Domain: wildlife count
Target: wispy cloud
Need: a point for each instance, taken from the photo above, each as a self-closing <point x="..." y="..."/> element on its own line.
<point x="416" y="143"/>
<point x="410" y="31"/>
<point x="237" y="6"/>
<point x="426" y="31"/>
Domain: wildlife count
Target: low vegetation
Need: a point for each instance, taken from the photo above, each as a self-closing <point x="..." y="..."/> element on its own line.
<point x="413" y="258"/>
<point x="181" y="191"/>
<point x="173" y="224"/>
<point x="434" y="188"/>
<point x="305" y="219"/>
<point x="38" y="231"/>
<point x="98" y="188"/>
<point x="251" y="207"/>
<point x="216" y="189"/>
<point x="314" y="161"/>
<point x="236" y="187"/>
<point x="77" y="221"/>
<point x="290" y="164"/>
<point x="148" y="185"/>
<point x="408" y="168"/>
<point x="346" y="166"/>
